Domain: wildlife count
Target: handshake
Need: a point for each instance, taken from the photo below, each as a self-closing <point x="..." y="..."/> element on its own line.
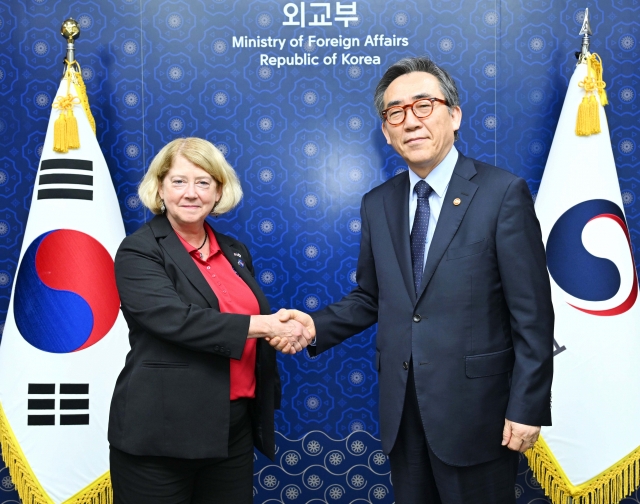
<point x="288" y="331"/>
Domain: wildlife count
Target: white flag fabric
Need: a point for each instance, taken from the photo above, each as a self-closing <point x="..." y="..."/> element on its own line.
<point x="592" y="451"/>
<point x="64" y="341"/>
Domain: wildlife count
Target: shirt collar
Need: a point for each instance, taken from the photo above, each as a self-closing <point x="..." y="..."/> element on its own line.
<point x="440" y="176"/>
<point x="214" y="247"/>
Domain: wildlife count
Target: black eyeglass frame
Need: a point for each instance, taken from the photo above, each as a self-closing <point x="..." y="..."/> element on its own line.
<point x="411" y="105"/>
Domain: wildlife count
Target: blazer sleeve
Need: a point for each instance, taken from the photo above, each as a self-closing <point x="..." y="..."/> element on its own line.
<point x="527" y="291"/>
<point x="150" y="300"/>
<point x="358" y="310"/>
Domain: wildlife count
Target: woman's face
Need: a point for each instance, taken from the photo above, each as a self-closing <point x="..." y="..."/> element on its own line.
<point x="189" y="193"/>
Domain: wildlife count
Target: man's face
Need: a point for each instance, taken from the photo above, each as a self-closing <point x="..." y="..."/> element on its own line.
<point x="423" y="143"/>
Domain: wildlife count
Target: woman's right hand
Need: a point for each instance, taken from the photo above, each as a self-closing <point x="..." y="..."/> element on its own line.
<point x="288" y="337"/>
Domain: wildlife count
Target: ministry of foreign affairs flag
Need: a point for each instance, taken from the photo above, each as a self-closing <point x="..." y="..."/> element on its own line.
<point x="64" y="341"/>
<point x="592" y="452"/>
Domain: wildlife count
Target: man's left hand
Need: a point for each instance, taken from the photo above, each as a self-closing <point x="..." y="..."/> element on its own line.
<point x="519" y="437"/>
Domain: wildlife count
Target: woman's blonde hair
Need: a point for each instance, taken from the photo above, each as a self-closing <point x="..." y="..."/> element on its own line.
<point x="201" y="153"/>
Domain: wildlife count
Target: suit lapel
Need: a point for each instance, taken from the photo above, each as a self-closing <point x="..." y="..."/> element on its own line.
<point x="396" y="206"/>
<point x="169" y="240"/>
<point x="234" y="254"/>
<point x="450" y="216"/>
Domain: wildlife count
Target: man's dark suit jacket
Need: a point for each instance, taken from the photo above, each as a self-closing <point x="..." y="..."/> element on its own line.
<point x="480" y="331"/>
<point x="172" y="397"/>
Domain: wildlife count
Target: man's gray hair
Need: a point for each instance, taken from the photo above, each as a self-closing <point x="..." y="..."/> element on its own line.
<point x="416" y="64"/>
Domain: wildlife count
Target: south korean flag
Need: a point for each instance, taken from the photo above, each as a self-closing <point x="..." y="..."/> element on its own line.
<point x="64" y="341"/>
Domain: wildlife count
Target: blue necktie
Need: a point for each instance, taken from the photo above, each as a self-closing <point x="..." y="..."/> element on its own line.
<point x="419" y="231"/>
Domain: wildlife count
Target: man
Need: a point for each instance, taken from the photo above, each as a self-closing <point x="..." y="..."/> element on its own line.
<point x="453" y="269"/>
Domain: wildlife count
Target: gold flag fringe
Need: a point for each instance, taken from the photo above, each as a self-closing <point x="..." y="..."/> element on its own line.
<point x="26" y="483"/>
<point x="28" y="486"/>
<point x="609" y="487"/>
<point x="65" y="128"/>
<point x="98" y="492"/>
<point x="588" y="121"/>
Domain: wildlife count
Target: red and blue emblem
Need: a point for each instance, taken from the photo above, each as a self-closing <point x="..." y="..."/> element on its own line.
<point x="65" y="297"/>
<point x="578" y="272"/>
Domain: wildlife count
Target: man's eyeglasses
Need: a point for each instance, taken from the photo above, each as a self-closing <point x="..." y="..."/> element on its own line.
<point x="421" y="108"/>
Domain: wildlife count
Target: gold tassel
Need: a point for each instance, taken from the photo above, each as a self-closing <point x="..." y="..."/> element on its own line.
<point x="73" y="140"/>
<point x="588" y="120"/>
<point x="65" y="131"/>
<point x="81" y="89"/>
<point x="600" y="84"/>
<point x="60" y="143"/>
<point x="594" y="114"/>
<point x="581" y="121"/>
<point x="608" y="487"/>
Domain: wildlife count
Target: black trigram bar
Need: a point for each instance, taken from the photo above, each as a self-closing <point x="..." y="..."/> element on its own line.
<point x="74" y="419"/>
<point x="74" y="388"/>
<point x="74" y="164"/>
<point x="41" y="420"/>
<point x="42" y="388"/>
<point x="65" y="178"/>
<point x="41" y="404"/>
<point x="80" y="194"/>
<point x="74" y="404"/>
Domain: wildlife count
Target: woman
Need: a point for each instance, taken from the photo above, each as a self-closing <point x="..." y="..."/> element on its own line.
<point x="200" y="384"/>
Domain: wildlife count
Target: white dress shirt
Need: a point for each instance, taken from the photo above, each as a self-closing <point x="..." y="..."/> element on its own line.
<point x="438" y="179"/>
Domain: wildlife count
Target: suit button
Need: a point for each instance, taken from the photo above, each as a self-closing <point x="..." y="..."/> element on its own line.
<point x="417" y="318"/>
<point x="405" y="365"/>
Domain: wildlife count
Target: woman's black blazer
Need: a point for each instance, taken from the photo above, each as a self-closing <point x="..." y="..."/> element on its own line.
<point x="172" y="397"/>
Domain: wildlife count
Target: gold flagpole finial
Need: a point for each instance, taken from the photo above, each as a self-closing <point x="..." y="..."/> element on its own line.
<point x="70" y="30"/>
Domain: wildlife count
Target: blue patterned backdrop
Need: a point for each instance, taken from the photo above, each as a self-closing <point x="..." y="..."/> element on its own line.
<point x="306" y="143"/>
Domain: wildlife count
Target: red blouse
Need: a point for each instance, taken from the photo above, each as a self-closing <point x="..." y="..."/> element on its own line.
<point x="234" y="296"/>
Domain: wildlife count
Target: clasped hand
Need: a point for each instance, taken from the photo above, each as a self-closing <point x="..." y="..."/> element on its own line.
<point x="296" y="331"/>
